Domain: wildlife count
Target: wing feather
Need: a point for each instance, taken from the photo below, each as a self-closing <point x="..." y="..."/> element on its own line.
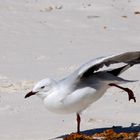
<point x="95" y="64"/>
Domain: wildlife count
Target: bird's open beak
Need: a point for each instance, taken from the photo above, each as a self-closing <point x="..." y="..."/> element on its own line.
<point x="30" y="94"/>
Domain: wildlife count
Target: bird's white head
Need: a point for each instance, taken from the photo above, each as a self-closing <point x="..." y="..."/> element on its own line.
<point x="41" y="88"/>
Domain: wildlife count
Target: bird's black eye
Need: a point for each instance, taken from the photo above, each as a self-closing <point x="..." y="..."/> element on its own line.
<point x="42" y="87"/>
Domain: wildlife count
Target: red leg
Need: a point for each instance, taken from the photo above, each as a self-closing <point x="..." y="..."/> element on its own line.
<point x="78" y="123"/>
<point x="129" y="91"/>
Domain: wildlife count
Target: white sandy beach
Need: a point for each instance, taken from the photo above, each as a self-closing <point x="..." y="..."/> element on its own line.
<point x="51" y="38"/>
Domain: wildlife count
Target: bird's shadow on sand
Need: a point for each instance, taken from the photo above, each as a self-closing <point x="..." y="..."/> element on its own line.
<point x="118" y="129"/>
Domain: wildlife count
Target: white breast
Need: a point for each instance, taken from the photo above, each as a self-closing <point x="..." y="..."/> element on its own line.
<point x="74" y="102"/>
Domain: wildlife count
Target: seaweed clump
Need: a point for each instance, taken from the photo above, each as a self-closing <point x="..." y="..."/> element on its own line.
<point x="109" y="134"/>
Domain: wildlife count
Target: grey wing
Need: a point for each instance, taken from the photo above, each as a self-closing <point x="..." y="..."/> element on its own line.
<point x="94" y="65"/>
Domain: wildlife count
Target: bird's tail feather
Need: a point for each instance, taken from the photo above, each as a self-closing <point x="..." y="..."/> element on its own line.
<point x="119" y="70"/>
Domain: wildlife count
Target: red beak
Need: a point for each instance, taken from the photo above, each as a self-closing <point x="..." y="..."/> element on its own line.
<point x="30" y="94"/>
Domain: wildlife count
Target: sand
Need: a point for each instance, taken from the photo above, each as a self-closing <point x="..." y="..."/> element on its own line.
<point x="51" y="38"/>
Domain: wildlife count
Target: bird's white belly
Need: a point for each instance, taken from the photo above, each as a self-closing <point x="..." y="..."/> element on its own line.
<point x="74" y="102"/>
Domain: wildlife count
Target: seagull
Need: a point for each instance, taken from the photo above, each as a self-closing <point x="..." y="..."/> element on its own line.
<point x="85" y="85"/>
